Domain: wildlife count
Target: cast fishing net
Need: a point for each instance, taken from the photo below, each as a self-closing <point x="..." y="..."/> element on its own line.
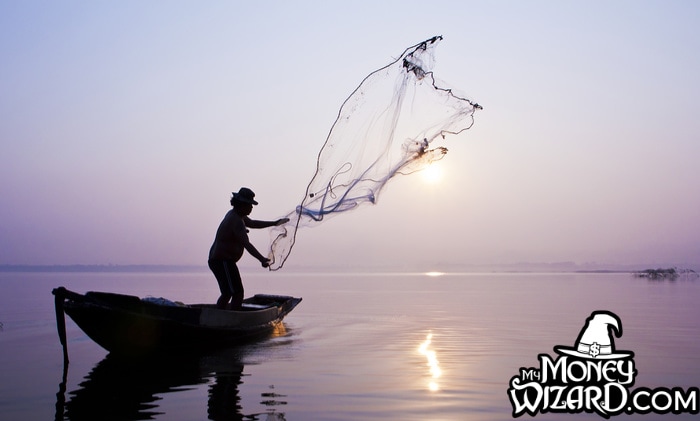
<point x="386" y="127"/>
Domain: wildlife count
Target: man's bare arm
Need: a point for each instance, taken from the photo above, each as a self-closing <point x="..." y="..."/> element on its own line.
<point x="255" y="253"/>
<point x="253" y="223"/>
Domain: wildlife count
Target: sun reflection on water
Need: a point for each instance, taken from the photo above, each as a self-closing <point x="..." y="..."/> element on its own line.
<point x="435" y="371"/>
<point x="434" y="274"/>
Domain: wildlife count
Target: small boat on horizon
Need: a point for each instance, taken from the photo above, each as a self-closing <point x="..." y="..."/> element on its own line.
<point x="131" y="326"/>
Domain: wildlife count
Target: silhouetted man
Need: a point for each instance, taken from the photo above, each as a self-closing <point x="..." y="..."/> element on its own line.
<point x="231" y="239"/>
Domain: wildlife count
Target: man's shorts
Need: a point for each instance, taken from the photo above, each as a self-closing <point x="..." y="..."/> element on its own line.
<point x="227" y="275"/>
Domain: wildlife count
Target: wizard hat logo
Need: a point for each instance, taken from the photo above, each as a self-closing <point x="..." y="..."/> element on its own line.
<point x="596" y="338"/>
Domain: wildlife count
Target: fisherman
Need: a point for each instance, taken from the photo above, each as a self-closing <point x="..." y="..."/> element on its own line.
<point x="230" y="241"/>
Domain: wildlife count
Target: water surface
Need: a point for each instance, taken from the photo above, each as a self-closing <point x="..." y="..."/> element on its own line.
<point x="355" y="349"/>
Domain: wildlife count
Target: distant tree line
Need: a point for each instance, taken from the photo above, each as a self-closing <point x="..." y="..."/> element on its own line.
<point x="669" y="273"/>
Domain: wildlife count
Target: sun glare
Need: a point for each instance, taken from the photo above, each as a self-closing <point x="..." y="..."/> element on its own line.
<point x="432" y="174"/>
<point x="434" y="274"/>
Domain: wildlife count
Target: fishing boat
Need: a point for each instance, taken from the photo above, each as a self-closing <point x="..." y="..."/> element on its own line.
<point x="129" y="325"/>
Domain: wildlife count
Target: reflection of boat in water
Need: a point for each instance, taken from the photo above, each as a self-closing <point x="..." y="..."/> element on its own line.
<point x="125" y="324"/>
<point x="126" y="389"/>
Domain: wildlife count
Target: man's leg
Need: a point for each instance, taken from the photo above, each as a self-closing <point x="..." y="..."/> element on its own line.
<point x="236" y="285"/>
<point x="218" y="267"/>
<point x="223" y="301"/>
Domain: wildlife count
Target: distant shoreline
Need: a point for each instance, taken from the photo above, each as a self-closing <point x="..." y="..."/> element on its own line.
<point x="440" y="269"/>
<point x="104" y="268"/>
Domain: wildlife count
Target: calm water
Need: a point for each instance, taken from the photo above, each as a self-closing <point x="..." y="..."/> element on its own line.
<point x="350" y="351"/>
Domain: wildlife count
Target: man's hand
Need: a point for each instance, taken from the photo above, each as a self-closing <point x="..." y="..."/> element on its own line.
<point x="281" y="221"/>
<point x="265" y="262"/>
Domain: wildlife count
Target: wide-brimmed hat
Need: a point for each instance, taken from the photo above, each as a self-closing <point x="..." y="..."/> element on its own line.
<point x="245" y="195"/>
<point x="595" y="340"/>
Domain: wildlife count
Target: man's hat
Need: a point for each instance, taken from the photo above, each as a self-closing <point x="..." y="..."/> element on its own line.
<point x="245" y="195"/>
<point x="595" y="340"/>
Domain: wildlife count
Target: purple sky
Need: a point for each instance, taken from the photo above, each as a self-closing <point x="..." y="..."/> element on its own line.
<point x="126" y="125"/>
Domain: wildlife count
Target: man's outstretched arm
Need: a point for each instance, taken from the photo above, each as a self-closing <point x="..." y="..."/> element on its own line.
<point x="253" y="223"/>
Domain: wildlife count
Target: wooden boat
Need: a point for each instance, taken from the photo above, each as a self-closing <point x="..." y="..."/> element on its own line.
<point x="126" y="324"/>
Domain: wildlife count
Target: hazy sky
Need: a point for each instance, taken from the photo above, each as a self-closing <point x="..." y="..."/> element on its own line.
<point x="125" y="125"/>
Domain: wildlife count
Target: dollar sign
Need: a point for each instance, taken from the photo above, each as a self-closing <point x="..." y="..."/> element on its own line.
<point x="595" y="350"/>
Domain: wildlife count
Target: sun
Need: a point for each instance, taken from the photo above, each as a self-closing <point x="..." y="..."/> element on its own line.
<point x="432" y="174"/>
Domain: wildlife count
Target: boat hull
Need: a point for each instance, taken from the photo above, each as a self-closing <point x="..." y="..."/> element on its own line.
<point x="125" y="324"/>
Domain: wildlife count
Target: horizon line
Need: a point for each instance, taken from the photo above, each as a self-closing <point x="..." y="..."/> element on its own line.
<point x="522" y="267"/>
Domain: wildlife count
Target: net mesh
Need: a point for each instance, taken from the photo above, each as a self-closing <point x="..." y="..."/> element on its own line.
<point x="386" y="127"/>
